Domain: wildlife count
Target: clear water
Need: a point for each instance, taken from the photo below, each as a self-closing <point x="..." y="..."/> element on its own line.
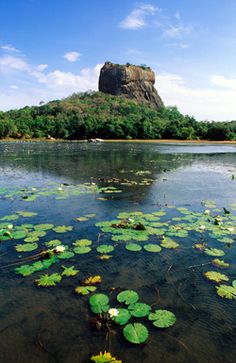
<point x="52" y="325"/>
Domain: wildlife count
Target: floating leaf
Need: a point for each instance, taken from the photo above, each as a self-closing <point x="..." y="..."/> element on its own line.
<point x="104" y="257"/>
<point x="85" y="290"/>
<point x="44" y="226"/>
<point x="234" y="284"/>
<point x="135" y="333"/>
<point x="134" y="247"/>
<point x="82" y="243"/>
<point x="25" y="270"/>
<point x="49" y="280"/>
<point x="105" y="248"/>
<point x="31" y="239"/>
<point x="215" y="276"/>
<point x="69" y="271"/>
<point x="152" y="248"/>
<point x="26" y="247"/>
<point x="11" y="217"/>
<point x="26" y="214"/>
<point x="123" y="317"/>
<point x="105" y="357"/>
<point x="99" y="303"/>
<point x="214" y="252"/>
<point x="227" y="292"/>
<point x="65" y="255"/>
<point x="93" y="280"/>
<point x="82" y="250"/>
<point x="82" y="219"/>
<point x="162" y="318"/>
<point x="169" y="243"/>
<point x="139" y="310"/>
<point x="128" y="297"/>
<point x="53" y="243"/>
<point x="62" y="229"/>
<point x="219" y="263"/>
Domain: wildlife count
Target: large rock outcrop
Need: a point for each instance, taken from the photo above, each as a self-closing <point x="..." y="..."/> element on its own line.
<point x="135" y="82"/>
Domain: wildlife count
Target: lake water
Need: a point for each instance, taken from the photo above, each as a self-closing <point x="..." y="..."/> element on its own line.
<point x="61" y="182"/>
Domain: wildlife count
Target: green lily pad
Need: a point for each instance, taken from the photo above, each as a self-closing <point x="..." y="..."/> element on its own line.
<point x="162" y="318"/>
<point x="49" y="280"/>
<point x="82" y="250"/>
<point x="105" y="248"/>
<point x="169" y="243"/>
<point x="234" y="284"/>
<point x="216" y="276"/>
<point x="85" y="290"/>
<point x="134" y="247"/>
<point x="25" y="270"/>
<point x="69" y="271"/>
<point x="65" y="255"/>
<point x="128" y="297"/>
<point x="139" y="310"/>
<point x="53" y="243"/>
<point x="26" y="214"/>
<point x="31" y="239"/>
<point x="43" y="226"/>
<point x="214" y="252"/>
<point x="123" y="316"/>
<point x="219" y="263"/>
<point x="62" y="229"/>
<point x="82" y="243"/>
<point x="99" y="303"/>
<point x="227" y="292"/>
<point x="135" y="333"/>
<point x="26" y="247"/>
<point x="11" y="217"/>
<point x="152" y="248"/>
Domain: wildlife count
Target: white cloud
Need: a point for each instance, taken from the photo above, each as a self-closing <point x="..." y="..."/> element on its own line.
<point x="72" y="56"/>
<point x="12" y="63"/>
<point x="177" y="31"/>
<point x="221" y="81"/>
<point x="41" y="67"/>
<point x="13" y="86"/>
<point x="203" y="103"/>
<point x="10" y="48"/>
<point x="137" y="18"/>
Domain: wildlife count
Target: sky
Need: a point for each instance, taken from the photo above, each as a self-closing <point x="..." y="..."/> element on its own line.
<point x="52" y="48"/>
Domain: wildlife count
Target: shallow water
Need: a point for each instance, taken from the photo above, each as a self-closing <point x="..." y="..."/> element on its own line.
<point x="52" y="324"/>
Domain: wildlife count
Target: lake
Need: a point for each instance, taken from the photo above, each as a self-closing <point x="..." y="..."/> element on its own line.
<point x="147" y="217"/>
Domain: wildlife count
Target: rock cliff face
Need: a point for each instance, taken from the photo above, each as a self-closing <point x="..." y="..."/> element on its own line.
<point x="135" y="82"/>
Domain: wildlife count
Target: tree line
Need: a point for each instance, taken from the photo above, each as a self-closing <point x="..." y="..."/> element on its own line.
<point x="98" y="115"/>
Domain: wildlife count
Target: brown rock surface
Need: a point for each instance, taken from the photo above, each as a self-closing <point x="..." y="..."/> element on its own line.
<point x="135" y="82"/>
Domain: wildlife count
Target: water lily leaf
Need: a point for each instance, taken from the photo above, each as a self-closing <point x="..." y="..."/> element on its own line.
<point x="31" y="239"/>
<point x="82" y="219"/>
<point x="20" y="234"/>
<point x="216" y="276"/>
<point x="234" y="284"/>
<point x="62" y="229"/>
<point x="53" y="243"/>
<point x="105" y="357"/>
<point x="5" y="234"/>
<point x="123" y="316"/>
<point x="139" y="310"/>
<point x="11" y="217"/>
<point x="93" y="280"/>
<point x="128" y="297"/>
<point x="214" y="252"/>
<point x="82" y="243"/>
<point x="152" y="248"/>
<point x="99" y="303"/>
<point x="219" y="263"/>
<point x="162" y="318"/>
<point x="105" y="248"/>
<point x="65" y="255"/>
<point x="25" y="270"/>
<point x="26" y="214"/>
<point x="227" y="292"/>
<point x="82" y="250"/>
<point x="134" y="247"/>
<point x="135" y="333"/>
<point x="104" y="257"/>
<point x="43" y="226"/>
<point x="26" y="247"/>
<point x="85" y="290"/>
<point x="169" y="243"/>
<point x="69" y="271"/>
<point x="49" y="280"/>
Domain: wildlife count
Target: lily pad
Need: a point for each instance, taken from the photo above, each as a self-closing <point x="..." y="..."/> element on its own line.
<point x="214" y="252"/>
<point x="43" y="226"/>
<point x="26" y="214"/>
<point x="93" y="280"/>
<point x="105" y="248"/>
<point x="216" y="276"/>
<point x="62" y="229"/>
<point x="169" y="243"/>
<point x="162" y="318"/>
<point x="53" y="243"/>
<point x="99" y="303"/>
<point x="227" y="292"/>
<point x="85" y="290"/>
<point x="152" y="248"/>
<point x="220" y="263"/>
<point x="27" y="247"/>
<point x="82" y="243"/>
<point x="123" y="317"/>
<point x="69" y="271"/>
<point x="105" y="357"/>
<point x="49" y="280"/>
<point x="139" y="310"/>
<point x="128" y="297"/>
<point x="82" y="250"/>
<point x="65" y="255"/>
<point x="135" y="333"/>
<point x="134" y="247"/>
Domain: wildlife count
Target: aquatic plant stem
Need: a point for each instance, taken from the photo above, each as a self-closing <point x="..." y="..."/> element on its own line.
<point x="180" y="342"/>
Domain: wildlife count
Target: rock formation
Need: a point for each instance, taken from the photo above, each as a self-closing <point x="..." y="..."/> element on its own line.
<point x="135" y="82"/>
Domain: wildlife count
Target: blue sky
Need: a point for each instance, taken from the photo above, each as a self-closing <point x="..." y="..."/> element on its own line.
<point x="52" y="48"/>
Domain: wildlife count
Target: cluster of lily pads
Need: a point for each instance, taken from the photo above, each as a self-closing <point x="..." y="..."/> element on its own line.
<point x="134" y="332"/>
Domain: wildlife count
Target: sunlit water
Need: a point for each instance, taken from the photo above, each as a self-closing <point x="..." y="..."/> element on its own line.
<point x="52" y="324"/>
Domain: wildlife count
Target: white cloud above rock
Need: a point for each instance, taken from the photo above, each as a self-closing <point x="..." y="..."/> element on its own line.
<point x="72" y="56"/>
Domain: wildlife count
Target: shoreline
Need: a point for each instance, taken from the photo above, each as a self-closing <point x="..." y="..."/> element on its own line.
<point x="156" y="141"/>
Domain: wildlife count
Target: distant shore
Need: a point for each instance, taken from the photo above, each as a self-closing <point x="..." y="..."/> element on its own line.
<point x="157" y="141"/>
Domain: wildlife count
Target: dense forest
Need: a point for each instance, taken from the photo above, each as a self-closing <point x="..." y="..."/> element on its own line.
<point x="95" y="114"/>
